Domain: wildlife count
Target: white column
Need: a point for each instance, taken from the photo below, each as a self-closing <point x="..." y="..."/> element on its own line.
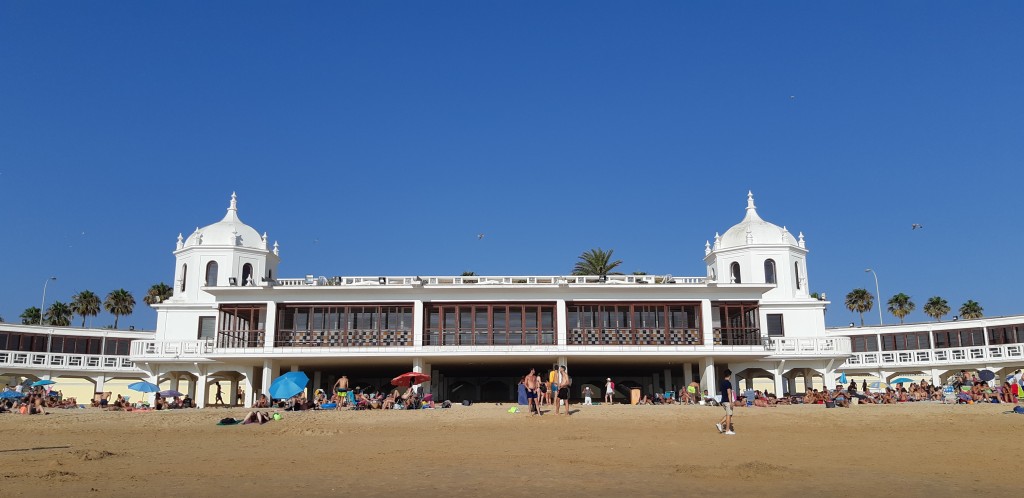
<point x="417" y="324"/>
<point x="233" y="396"/>
<point x="271" y="325"/>
<point x="707" y="325"/>
<point x="100" y="379"/>
<point x="192" y="388"/>
<point x="668" y="380"/>
<point x="562" y="325"/>
<point x="247" y="387"/>
<point x="779" y="391"/>
<point x="268" y="377"/>
<point x="830" y="375"/>
<point x="935" y="377"/>
<point x="426" y="385"/>
<point x="749" y="381"/>
<point x="687" y="374"/>
<point x="317" y="379"/>
<point x="204" y="389"/>
<point x="155" y="379"/>
<point x="175" y="382"/>
<point x="708" y="380"/>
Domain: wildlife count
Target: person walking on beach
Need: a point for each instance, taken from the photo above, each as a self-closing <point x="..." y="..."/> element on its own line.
<point x="220" y="395"/>
<point x="532" y="387"/>
<point x="564" y="382"/>
<point x="609" y="390"/>
<point x="725" y="426"/>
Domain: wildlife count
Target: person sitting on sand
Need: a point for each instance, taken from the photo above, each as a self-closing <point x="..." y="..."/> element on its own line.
<point x="257" y="417"/>
<point x="841" y="398"/>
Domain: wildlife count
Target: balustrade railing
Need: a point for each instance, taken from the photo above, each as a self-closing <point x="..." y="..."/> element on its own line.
<point x="340" y="281"/>
<point x="171" y="349"/>
<point x="65" y="361"/>
<point x="973" y="354"/>
<point x="809" y="346"/>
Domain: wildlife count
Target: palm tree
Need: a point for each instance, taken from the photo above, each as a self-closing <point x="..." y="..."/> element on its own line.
<point x="900" y="306"/>
<point x="119" y="302"/>
<point x="30" y="316"/>
<point x="936" y="307"/>
<point x="860" y="301"/>
<point x="85" y="303"/>
<point x="971" y="309"/>
<point x="468" y="274"/>
<point x="59" y="314"/>
<point x="158" y="293"/>
<point x="596" y="262"/>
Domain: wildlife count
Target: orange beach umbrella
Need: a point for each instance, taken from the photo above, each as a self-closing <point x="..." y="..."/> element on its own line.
<point x="410" y="378"/>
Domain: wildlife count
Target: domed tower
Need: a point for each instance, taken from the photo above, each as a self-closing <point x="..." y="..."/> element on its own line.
<point x="226" y="253"/>
<point x="755" y="251"/>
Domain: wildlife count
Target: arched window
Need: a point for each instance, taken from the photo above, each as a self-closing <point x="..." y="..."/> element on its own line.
<point x="184" y="275"/>
<point x="735" y="269"/>
<point x="769" y="271"/>
<point x="247" y="274"/>
<point x="796" y="271"/>
<point x="211" y="274"/>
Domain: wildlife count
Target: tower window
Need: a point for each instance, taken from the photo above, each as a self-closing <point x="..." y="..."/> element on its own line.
<point x="247" y="274"/>
<point x="796" y="271"/>
<point x="211" y="274"/>
<point x="769" y="271"/>
<point x="184" y="276"/>
<point x="735" y="269"/>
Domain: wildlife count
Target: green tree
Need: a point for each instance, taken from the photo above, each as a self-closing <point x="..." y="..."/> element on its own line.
<point x="59" y="314"/>
<point x="971" y="309"/>
<point x="468" y="274"/>
<point x="119" y="303"/>
<point x="596" y="262"/>
<point x="936" y="307"/>
<point x="30" y="316"/>
<point x="85" y="303"/>
<point x="158" y="293"/>
<point x="900" y="306"/>
<point x="860" y="301"/>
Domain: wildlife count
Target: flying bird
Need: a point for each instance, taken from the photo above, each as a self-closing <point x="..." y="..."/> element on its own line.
<point x="479" y="236"/>
<point x="915" y="226"/>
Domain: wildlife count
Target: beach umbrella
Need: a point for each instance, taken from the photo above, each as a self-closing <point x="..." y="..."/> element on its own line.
<point x="288" y="385"/>
<point x="144" y="387"/>
<point x="171" y="393"/>
<point x="410" y="378"/>
<point x="986" y="375"/>
<point x="842" y="378"/>
<point x="11" y="395"/>
<point x="44" y="382"/>
<point x="877" y="385"/>
<point x="903" y="380"/>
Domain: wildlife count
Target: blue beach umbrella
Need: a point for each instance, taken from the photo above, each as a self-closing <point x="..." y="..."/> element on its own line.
<point x="144" y="387"/>
<point x="171" y="393"/>
<point x="901" y="379"/>
<point x="45" y="382"/>
<point x="288" y="385"/>
<point x="11" y="395"/>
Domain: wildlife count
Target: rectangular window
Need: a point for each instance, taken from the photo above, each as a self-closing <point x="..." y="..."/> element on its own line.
<point x="775" y="324"/>
<point x="207" y="327"/>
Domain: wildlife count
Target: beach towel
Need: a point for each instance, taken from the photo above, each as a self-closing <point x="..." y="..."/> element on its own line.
<point x="514" y="409"/>
<point x="228" y="421"/>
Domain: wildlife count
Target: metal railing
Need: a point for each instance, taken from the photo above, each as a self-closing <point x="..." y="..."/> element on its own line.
<point x="171" y="349"/>
<point x="65" y="361"/>
<point x="794" y="346"/>
<point x="928" y="357"/>
<point x="341" y="281"/>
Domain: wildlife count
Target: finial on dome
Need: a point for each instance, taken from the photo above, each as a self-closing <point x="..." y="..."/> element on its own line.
<point x="181" y="242"/>
<point x="707" y="247"/>
<point x="276" y="249"/>
<point x="264" y="239"/>
<point x="718" y="240"/>
<point x="800" y="240"/>
<point x="234" y="202"/>
<point x="751" y="208"/>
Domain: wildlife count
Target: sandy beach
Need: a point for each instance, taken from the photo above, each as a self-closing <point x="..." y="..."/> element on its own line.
<point x="905" y="450"/>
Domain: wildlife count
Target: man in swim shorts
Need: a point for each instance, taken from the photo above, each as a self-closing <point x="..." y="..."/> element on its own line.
<point x="341" y="388"/>
<point x="532" y="386"/>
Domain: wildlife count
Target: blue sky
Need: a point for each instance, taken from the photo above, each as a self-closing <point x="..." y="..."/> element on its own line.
<point x="375" y="138"/>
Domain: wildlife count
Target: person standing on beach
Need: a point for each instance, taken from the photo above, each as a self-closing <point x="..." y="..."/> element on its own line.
<point x="341" y="389"/>
<point x="587" y="400"/>
<point x="532" y="386"/>
<point x="725" y="426"/>
<point x="220" y="395"/>
<point x="553" y="384"/>
<point x="564" y="382"/>
<point x="609" y="390"/>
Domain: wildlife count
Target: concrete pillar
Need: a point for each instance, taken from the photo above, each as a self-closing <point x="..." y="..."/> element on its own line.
<point x="417" y="365"/>
<point x="668" y="381"/>
<point x="935" y="377"/>
<point x="777" y="377"/>
<point x="417" y="324"/>
<point x="233" y="395"/>
<point x="268" y="377"/>
<point x="749" y="381"/>
<point x="425" y="388"/>
<point x="435" y="382"/>
<point x="204" y="388"/>
<point x="100" y="381"/>
<point x="175" y="382"/>
<point x="295" y="368"/>
<point x="317" y="380"/>
<point x="708" y="380"/>
<point x="734" y="382"/>
<point x="792" y="384"/>
<point x="655" y="385"/>
<point x="154" y="378"/>
<point x="687" y="374"/>
<point x="829" y="378"/>
<point x="271" y="325"/>
<point x="562" y="326"/>
<point x="707" y="326"/>
<point x="192" y="388"/>
<point x="247" y="387"/>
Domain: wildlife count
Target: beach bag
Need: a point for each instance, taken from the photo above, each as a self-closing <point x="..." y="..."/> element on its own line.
<point x="1018" y="410"/>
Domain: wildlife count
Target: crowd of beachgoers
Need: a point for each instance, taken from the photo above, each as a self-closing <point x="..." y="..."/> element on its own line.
<point x="354" y="399"/>
<point x="33" y="401"/>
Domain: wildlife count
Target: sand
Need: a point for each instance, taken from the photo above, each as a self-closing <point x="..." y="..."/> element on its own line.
<point x="905" y="450"/>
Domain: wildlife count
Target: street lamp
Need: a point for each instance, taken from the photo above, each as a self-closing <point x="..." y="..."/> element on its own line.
<point x="43" y="303"/>
<point x="878" y="294"/>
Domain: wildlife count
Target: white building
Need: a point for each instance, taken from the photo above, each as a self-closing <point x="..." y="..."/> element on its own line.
<point x="232" y="319"/>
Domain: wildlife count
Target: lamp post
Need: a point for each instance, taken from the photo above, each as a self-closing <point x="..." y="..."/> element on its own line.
<point x="43" y="303"/>
<point x="878" y="294"/>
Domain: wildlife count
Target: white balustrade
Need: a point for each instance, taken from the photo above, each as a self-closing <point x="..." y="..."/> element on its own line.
<point x="493" y="280"/>
<point x="65" y="361"/>
<point x="810" y="346"/>
<point x="937" y="357"/>
<point x="172" y="349"/>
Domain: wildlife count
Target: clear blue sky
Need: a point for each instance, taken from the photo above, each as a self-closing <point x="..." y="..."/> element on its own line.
<point x="377" y="138"/>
